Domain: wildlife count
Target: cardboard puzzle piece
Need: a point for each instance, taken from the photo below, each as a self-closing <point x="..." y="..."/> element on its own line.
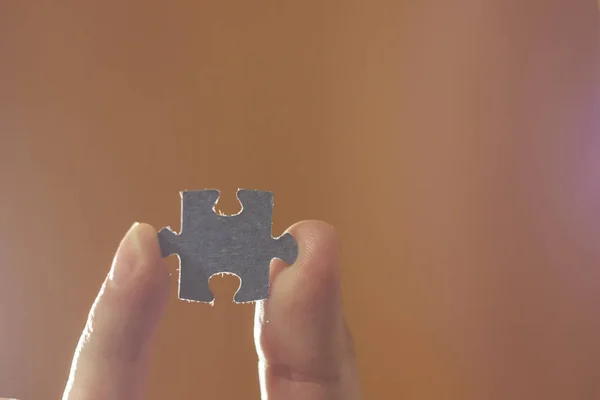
<point x="239" y="244"/>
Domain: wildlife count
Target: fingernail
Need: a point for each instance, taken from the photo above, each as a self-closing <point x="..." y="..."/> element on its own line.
<point x="124" y="260"/>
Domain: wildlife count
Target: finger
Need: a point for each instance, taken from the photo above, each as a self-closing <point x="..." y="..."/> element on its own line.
<point x="305" y="349"/>
<point x="111" y="358"/>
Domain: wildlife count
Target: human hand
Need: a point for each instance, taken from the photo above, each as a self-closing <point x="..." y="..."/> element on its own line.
<point x="305" y="350"/>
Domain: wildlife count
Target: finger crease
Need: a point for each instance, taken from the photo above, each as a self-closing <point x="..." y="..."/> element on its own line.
<point x="288" y="373"/>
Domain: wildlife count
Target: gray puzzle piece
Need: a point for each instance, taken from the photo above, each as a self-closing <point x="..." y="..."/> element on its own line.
<point x="239" y="244"/>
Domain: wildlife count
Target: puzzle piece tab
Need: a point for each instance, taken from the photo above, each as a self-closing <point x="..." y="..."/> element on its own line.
<point x="239" y="244"/>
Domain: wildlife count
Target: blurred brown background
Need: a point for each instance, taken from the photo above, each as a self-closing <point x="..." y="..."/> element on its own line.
<point x="453" y="144"/>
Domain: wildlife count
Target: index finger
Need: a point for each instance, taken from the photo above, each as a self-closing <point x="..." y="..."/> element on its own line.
<point x="111" y="358"/>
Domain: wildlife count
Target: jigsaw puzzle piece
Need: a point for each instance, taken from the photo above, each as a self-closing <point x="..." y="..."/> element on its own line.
<point x="169" y="242"/>
<point x="240" y="244"/>
<point x="254" y="284"/>
<point x="255" y="281"/>
<point x="285" y="248"/>
<point x="257" y="205"/>
<point x="258" y="208"/>
<point x="197" y="206"/>
<point x="193" y="281"/>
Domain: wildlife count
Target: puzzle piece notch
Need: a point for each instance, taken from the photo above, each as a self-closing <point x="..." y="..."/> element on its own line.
<point x="240" y="244"/>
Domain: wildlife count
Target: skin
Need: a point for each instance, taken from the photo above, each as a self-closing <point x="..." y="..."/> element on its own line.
<point x="304" y="346"/>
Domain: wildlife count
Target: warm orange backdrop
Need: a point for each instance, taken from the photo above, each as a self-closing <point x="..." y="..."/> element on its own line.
<point x="452" y="144"/>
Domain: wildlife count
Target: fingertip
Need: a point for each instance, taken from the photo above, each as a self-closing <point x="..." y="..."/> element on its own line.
<point x="148" y="236"/>
<point x="138" y="274"/>
<point x="314" y="227"/>
<point x="138" y="257"/>
<point x="309" y="288"/>
<point x="318" y="247"/>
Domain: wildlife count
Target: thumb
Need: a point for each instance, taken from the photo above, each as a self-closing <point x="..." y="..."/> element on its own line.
<point x="305" y="349"/>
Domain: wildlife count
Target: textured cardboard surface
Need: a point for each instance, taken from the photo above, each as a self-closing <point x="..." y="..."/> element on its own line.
<point x="239" y="244"/>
